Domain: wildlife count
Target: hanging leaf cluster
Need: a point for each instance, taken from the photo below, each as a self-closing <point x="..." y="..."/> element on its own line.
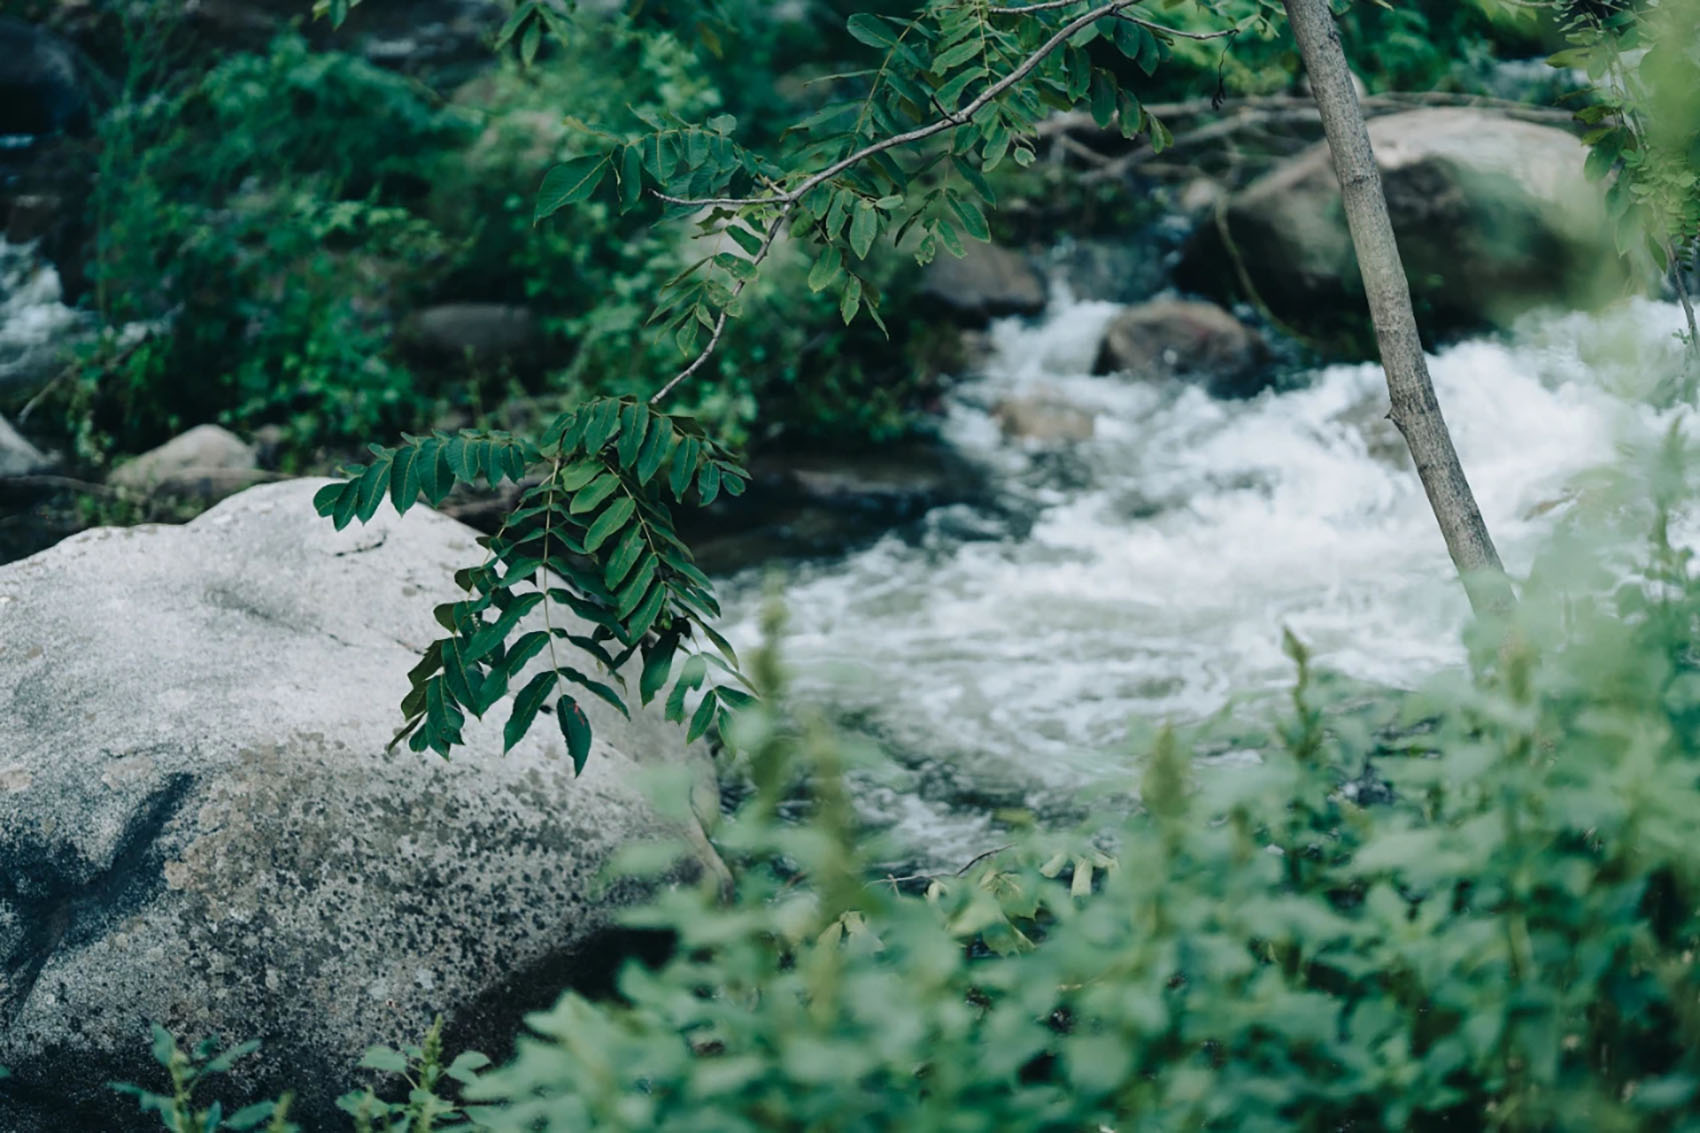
<point x="590" y="533"/>
<point x="953" y="94"/>
<point x="1643" y="119"/>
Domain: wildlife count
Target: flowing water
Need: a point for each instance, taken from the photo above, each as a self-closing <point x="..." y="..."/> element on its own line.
<point x="1146" y="574"/>
<point x="35" y="323"/>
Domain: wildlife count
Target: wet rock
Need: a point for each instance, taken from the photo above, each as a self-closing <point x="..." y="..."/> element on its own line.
<point x="35" y="322"/>
<point x="203" y="465"/>
<point x="1493" y="217"/>
<point x="200" y="823"/>
<point x="812" y="505"/>
<point x="1044" y="418"/>
<point x="487" y="333"/>
<point x="987" y="283"/>
<point x="1114" y="271"/>
<point x="44" y="82"/>
<point x="1193" y="341"/>
<point x="17" y="456"/>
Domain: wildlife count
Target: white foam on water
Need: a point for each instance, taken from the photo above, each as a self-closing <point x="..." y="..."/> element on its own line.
<point x="1173" y="547"/>
<point x="35" y="323"/>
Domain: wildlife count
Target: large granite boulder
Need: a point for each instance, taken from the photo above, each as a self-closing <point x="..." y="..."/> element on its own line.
<point x="1493" y="217"/>
<point x="200" y="824"/>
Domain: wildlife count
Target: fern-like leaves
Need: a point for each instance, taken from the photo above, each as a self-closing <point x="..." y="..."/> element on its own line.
<point x="592" y="532"/>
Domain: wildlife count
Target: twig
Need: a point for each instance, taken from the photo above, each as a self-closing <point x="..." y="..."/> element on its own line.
<point x="965" y="867"/>
<point x="72" y="484"/>
<point x="1081" y="122"/>
<point x="1162" y="29"/>
<point x="69" y="371"/>
<point x="1026" y="9"/>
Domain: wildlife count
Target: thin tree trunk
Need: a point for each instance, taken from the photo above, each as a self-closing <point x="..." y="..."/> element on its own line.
<point x="1415" y="409"/>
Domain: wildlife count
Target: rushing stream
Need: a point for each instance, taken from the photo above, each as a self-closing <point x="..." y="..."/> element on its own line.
<point x="1000" y="653"/>
<point x="1146" y="573"/>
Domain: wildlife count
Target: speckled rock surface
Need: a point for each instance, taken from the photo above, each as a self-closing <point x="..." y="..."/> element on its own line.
<point x="199" y="824"/>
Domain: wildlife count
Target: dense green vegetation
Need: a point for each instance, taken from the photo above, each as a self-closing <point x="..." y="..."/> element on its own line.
<point x="274" y="218"/>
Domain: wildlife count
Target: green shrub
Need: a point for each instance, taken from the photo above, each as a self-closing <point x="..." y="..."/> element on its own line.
<point x="1506" y="944"/>
<point x="255" y="218"/>
<point x="788" y="371"/>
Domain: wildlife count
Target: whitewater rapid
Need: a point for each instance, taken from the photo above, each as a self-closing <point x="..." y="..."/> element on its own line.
<point x="1146" y="574"/>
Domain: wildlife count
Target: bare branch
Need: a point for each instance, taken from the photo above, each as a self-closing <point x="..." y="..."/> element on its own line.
<point x="1162" y="29"/>
<point x="964" y="868"/>
<point x="1026" y="9"/>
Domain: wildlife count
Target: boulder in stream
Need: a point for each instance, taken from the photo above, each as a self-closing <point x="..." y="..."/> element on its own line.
<point x="1493" y="217"/>
<point x="44" y="82"/>
<point x="987" y="282"/>
<point x="1189" y="340"/>
<point x="201" y="825"/>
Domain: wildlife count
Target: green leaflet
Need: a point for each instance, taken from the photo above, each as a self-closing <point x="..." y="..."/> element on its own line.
<point x="656" y="667"/>
<point x="703" y="716"/>
<point x="590" y="497"/>
<point x="625" y="557"/>
<point x="575" y="729"/>
<point x="632" y="594"/>
<point x="611" y="520"/>
<point x="569" y="183"/>
<point x="526" y="705"/>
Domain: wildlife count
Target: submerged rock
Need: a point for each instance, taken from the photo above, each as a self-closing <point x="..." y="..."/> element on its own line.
<point x="1493" y="217"/>
<point x="200" y="824"/>
<point x="813" y="505"/>
<point x="204" y="465"/>
<point x="1043" y="417"/>
<point x="1178" y="338"/>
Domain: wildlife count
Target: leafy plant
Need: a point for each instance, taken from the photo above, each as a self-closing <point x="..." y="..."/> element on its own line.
<point x="1642" y="133"/>
<point x="590" y="532"/>
<point x="189" y="1070"/>
<point x="1503" y="941"/>
<point x="426" y="1074"/>
<point x="422" y="1068"/>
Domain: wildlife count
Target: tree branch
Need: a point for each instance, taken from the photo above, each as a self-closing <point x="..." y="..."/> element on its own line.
<point x="788" y="200"/>
<point x="1415" y="409"/>
<point x="919" y="133"/>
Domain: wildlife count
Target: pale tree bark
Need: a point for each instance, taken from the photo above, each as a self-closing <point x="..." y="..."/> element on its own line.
<point x="1415" y="409"/>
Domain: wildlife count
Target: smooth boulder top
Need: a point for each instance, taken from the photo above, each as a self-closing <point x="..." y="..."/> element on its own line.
<point x="200" y="825"/>
<point x="1493" y="216"/>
